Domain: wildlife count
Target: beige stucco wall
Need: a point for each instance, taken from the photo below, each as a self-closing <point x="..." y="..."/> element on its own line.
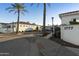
<point x="23" y="27"/>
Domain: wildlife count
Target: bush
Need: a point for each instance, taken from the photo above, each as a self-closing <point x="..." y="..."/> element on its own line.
<point x="71" y="22"/>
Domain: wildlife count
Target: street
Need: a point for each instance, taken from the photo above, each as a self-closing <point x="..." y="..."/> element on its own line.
<point x="33" y="46"/>
<point x="19" y="47"/>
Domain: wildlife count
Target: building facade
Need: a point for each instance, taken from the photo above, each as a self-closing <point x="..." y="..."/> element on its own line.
<point x="5" y="28"/>
<point x="23" y="26"/>
<point x="70" y="27"/>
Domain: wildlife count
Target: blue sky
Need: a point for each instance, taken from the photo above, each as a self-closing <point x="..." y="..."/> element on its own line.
<point x="35" y="13"/>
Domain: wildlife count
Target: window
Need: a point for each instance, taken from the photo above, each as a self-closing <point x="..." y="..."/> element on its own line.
<point x="26" y="26"/>
<point x="74" y="20"/>
<point x="20" y="25"/>
<point x="23" y="25"/>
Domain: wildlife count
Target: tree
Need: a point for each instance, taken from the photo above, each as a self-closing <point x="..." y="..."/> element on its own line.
<point x="37" y="28"/>
<point x="18" y="8"/>
<point x="44" y="17"/>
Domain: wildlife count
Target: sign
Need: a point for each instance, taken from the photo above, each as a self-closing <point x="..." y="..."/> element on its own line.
<point x="68" y="28"/>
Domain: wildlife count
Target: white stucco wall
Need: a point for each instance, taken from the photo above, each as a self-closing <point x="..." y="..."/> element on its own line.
<point x="70" y="35"/>
<point x="5" y="30"/>
<point x="66" y="19"/>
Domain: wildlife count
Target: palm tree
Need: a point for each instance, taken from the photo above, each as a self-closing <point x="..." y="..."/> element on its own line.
<point x="18" y="8"/>
<point x="44" y="17"/>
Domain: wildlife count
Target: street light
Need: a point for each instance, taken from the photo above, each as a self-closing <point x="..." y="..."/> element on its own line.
<point x="52" y="26"/>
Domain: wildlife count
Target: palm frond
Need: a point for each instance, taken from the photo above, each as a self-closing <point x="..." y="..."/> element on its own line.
<point x="9" y="8"/>
<point x="38" y="4"/>
<point x="49" y="4"/>
<point x="25" y="10"/>
<point x="11" y="11"/>
<point x="15" y="12"/>
<point x="22" y="13"/>
<point x="13" y="5"/>
<point x="32" y="4"/>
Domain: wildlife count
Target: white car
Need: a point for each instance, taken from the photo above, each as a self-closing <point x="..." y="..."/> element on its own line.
<point x="29" y="30"/>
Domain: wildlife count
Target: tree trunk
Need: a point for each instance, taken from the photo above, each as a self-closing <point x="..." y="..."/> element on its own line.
<point x="44" y="18"/>
<point x="17" y="29"/>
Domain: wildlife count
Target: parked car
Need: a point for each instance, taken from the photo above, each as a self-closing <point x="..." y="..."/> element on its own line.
<point x="48" y="30"/>
<point x="29" y="30"/>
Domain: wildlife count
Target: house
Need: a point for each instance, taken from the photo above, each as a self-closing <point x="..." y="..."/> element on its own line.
<point x="70" y="27"/>
<point x="5" y="28"/>
<point x="23" y="26"/>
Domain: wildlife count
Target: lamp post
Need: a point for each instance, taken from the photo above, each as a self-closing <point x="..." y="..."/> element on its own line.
<point x="52" y="26"/>
<point x="13" y="27"/>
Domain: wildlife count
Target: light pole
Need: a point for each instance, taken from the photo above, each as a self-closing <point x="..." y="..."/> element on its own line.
<point x="13" y="27"/>
<point x="52" y="26"/>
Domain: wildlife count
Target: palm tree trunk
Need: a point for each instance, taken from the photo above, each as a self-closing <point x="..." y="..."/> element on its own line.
<point x="17" y="29"/>
<point x="44" y="18"/>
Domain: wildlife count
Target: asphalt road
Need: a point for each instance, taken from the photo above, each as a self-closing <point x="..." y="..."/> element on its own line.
<point x="19" y="47"/>
<point x="30" y="47"/>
